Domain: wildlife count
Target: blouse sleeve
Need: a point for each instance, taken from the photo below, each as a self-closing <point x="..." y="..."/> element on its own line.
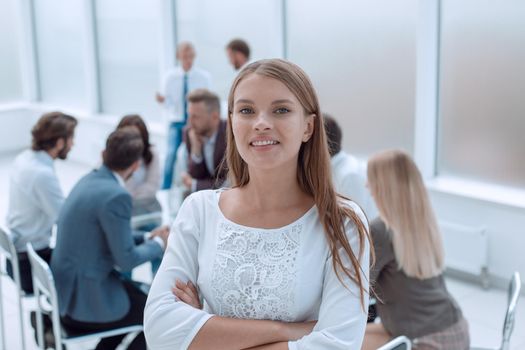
<point x="168" y="322"/>
<point x="342" y="318"/>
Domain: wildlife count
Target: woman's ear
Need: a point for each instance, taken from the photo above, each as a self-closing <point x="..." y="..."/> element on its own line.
<point x="309" y="127"/>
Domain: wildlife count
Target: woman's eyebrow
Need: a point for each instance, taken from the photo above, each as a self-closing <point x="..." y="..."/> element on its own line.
<point x="276" y="102"/>
<point x="243" y="100"/>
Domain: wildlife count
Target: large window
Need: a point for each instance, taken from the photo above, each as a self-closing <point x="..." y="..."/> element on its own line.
<point x="61" y="54"/>
<point x="128" y="36"/>
<point x="10" y="74"/>
<point x="361" y="56"/>
<point x="482" y="104"/>
<point x="211" y="24"/>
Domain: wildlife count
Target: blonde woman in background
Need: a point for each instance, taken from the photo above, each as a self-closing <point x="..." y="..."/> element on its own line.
<point x="278" y="261"/>
<point x="408" y="274"/>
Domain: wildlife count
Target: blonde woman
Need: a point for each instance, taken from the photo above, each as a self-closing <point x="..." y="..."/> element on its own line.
<point x="278" y="261"/>
<point x="408" y="271"/>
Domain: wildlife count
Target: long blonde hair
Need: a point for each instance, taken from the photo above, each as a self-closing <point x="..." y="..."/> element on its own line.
<point x="399" y="192"/>
<point x="313" y="168"/>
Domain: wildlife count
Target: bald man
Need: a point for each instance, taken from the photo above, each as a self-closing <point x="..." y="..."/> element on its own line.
<point x="178" y="83"/>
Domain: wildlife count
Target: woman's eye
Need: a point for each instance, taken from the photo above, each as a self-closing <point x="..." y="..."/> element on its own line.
<point x="246" y="111"/>
<point x="282" y="110"/>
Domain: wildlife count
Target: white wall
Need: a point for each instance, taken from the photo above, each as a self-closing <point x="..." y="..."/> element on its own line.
<point x="505" y="226"/>
<point x="16" y="127"/>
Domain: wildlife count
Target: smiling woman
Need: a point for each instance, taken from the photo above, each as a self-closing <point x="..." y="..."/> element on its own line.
<point x="278" y="261"/>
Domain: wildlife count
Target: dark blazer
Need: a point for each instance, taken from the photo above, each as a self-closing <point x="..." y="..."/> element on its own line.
<point x="200" y="172"/>
<point x="94" y="236"/>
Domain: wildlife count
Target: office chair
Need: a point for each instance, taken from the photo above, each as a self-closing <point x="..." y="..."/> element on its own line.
<point x="399" y="343"/>
<point x="44" y="287"/>
<point x="7" y="249"/>
<point x="508" y="323"/>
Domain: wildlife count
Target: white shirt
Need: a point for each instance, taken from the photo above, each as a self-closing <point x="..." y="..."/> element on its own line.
<point x="35" y="199"/>
<point x="242" y="272"/>
<point x="349" y="177"/>
<point x="173" y="89"/>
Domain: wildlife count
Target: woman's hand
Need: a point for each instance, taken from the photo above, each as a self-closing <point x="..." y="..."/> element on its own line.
<point x="187" y="293"/>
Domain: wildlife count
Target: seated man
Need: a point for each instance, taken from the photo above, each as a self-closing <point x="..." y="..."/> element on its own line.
<point x="94" y="237"/>
<point x="349" y="174"/>
<point x="35" y="196"/>
<point x="205" y="140"/>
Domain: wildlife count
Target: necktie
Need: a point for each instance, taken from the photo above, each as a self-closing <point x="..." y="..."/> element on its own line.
<point x="184" y="93"/>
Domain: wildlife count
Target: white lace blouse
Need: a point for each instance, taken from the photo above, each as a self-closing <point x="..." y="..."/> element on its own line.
<point x="283" y="274"/>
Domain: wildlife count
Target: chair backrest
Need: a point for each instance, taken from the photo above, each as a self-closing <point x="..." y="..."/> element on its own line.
<point x="6" y="244"/>
<point x="44" y="287"/>
<point x="399" y="343"/>
<point x="7" y="248"/>
<point x="512" y="301"/>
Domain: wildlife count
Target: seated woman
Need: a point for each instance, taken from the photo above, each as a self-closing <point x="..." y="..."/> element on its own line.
<point x="278" y="261"/>
<point x="408" y="274"/>
<point x="144" y="184"/>
<point x="145" y="181"/>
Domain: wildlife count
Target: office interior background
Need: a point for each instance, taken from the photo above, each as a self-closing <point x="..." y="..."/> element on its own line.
<point x="442" y="80"/>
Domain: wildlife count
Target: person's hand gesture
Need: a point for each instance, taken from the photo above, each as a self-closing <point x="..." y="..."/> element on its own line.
<point x="195" y="142"/>
<point x="187" y="180"/>
<point x="159" y="98"/>
<point x="187" y="293"/>
<point x="163" y="232"/>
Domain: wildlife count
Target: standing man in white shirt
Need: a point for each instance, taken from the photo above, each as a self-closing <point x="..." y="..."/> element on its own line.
<point x="348" y="172"/>
<point x="178" y="83"/>
<point x="238" y="53"/>
<point x="35" y="196"/>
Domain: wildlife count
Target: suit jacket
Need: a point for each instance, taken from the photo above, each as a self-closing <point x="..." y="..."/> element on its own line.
<point x="200" y="172"/>
<point x="94" y="236"/>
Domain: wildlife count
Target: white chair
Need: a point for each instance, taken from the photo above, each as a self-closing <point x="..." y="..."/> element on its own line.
<point x="44" y="287"/>
<point x="508" y="323"/>
<point x="146" y="219"/>
<point x="7" y="249"/>
<point x="399" y="343"/>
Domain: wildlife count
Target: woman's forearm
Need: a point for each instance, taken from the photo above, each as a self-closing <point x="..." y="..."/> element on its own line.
<point x="274" y="346"/>
<point x="229" y="333"/>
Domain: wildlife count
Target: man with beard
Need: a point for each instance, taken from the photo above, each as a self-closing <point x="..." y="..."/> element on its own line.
<point x="35" y="196"/>
<point x="238" y="53"/>
<point x="205" y="140"/>
<point x="95" y="243"/>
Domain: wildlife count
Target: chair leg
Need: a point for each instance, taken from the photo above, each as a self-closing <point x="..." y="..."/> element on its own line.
<point x="21" y="317"/>
<point x="2" y="330"/>
<point x="40" y="325"/>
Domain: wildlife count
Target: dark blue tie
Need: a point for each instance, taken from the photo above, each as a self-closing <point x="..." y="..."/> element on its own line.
<point x="184" y="94"/>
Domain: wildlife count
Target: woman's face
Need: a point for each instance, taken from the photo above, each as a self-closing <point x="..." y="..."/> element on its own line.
<point x="268" y="122"/>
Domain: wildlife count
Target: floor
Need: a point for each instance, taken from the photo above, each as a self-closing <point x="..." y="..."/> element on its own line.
<point x="484" y="309"/>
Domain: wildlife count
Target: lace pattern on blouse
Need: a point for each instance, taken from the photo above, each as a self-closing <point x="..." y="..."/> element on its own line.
<point x="255" y="272"/>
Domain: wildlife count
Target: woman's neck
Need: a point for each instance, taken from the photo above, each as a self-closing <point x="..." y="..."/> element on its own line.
<point x="268" y="190"/>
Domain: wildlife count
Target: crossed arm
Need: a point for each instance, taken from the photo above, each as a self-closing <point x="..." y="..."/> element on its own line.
<point x="229" y="333"/>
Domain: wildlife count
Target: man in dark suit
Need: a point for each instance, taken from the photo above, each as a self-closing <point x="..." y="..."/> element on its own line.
<point x="205" y="141"/>
<point x="94" y="237"/>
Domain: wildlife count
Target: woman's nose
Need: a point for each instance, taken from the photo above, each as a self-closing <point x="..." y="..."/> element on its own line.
<point x="262" y="122"/>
